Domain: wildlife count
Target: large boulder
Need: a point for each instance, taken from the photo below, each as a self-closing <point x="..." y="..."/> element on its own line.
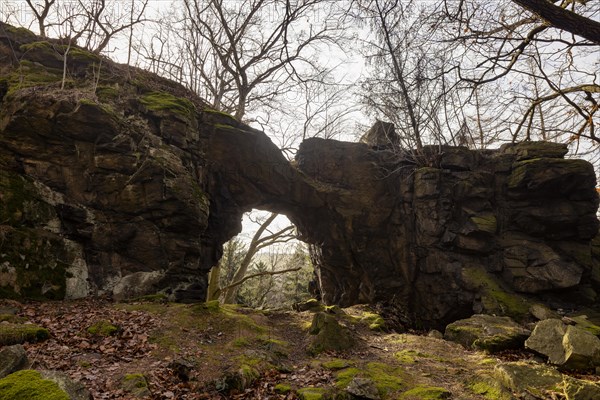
<point x="526" y="379"/>
<point x="12" y="359"/>
<point x="567" y="346"/>
<point x="487" y="332"/>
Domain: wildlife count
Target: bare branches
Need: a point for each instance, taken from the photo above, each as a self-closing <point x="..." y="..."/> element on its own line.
<point x="563" y="18"/>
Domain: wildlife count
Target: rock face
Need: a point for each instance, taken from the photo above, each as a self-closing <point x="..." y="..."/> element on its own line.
<point x="126" y="184"/>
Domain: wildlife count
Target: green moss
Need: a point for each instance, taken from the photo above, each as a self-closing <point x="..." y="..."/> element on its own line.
<point x="485" y="223"/>
<point x="29" y="385"/>
<point x="107" y="93"/>
<point x="487" y="390"/>
<point x="240" y="342"/>
<point x="329" y="334"/>
<point x="282" y="388"/>
<point x="162" y="101"/>
<point x="152" y="298"/>
<point x="33" y="260"/>
<point x="74" y="53"/>
<point x="374" y="321"/>
<point x="82" y="55"/>
<point x="312" y="393"/>
<point x="344" y="377"/>
<point x="135" y="384"/>
<point x="426" y="393"/>
<point x="103" y="328"/>
<point x="387" y="379"/>
<point x="40" y="46"/>
<point x="582" y="322"/>
<point x="408" y="356"/>
<point x="313" y="305"/>
<point x="20" y="333"/>
<point x="19" y="31"/>
<point x="212" y="306"/>
<point x="14" y="319"/>
<point x="336" y="364"/>
<point x="494" y="297"/>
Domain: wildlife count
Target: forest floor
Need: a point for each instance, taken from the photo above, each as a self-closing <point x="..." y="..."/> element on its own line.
<point x="207" y="351"/>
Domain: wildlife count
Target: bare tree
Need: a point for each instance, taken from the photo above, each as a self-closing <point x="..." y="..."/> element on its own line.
<point x="542" y="67"/>
<point x="405" y="83"/>
<point x="92" y="24"/>
<point x="41" y="11"/>
<point x="263" y="238"/>
<point x="243" y="55"/>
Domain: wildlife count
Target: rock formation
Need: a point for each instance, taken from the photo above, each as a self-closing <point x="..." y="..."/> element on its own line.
<point x="122" y="182"/>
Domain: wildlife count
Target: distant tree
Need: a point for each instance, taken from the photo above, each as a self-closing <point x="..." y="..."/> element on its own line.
<point x="91" y="24"/>
<point x="538" y="66"/>
<point x="475" y="72"/>
<point x="263" y="238"/>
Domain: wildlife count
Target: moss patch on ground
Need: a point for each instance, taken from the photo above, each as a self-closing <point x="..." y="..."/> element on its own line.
<point x="312" y="393"/>
<point x="29" y="385"/>
<point x="20" y="333"/>
<point x="386" y="378"/>
<point x="103" y="328"/>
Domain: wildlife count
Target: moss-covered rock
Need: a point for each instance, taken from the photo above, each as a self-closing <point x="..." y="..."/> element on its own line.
<point x="21" y="333"/>
<point x="313" y="305"/>
<point x="386" y="378"/>
<point x="29" y="385"/>
<point x="487" y="332"/>
<point x="495" y="297"/>
<point x="329" y="334"/>
<point x="165" y="102"/>
<point x="136" y="385"/>
<point x="374" y="321"/>
<point x="544" y="382"/>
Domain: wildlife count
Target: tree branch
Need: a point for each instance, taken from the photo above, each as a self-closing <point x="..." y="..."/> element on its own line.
<point x="563" y="19"/>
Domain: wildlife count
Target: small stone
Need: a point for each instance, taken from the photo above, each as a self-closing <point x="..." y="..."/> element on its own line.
<point x="434" y="333"/>
<point x="363" y="388"/>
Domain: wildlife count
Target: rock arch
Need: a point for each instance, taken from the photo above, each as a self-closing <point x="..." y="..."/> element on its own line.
<point x="133" y="188"/>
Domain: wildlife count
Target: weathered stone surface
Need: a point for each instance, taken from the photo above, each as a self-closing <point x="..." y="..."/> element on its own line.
<point x="541" y="381"/>
<point x="582" y="349"/>
<point x="74" y="389"/>
<point x="12" y="359"/>
<point x="546" y="339"/>
<point x="487" y="332"/>
<point x="363" y="388"/>
<point x="567" y="346"/>
<point x="329" y="334"/>
<point x="133" y="188"/>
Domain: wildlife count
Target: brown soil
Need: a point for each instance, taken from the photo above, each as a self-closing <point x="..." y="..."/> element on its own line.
<point x="215" y="343"/>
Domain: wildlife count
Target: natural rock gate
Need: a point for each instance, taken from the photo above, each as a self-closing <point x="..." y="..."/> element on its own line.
<point x="134" y="185"/>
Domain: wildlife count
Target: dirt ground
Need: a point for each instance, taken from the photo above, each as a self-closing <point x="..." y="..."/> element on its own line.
<point x="228" y="352"/>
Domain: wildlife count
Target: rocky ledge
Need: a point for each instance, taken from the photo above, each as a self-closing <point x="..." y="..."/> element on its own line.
<point x="113" y="180"/>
